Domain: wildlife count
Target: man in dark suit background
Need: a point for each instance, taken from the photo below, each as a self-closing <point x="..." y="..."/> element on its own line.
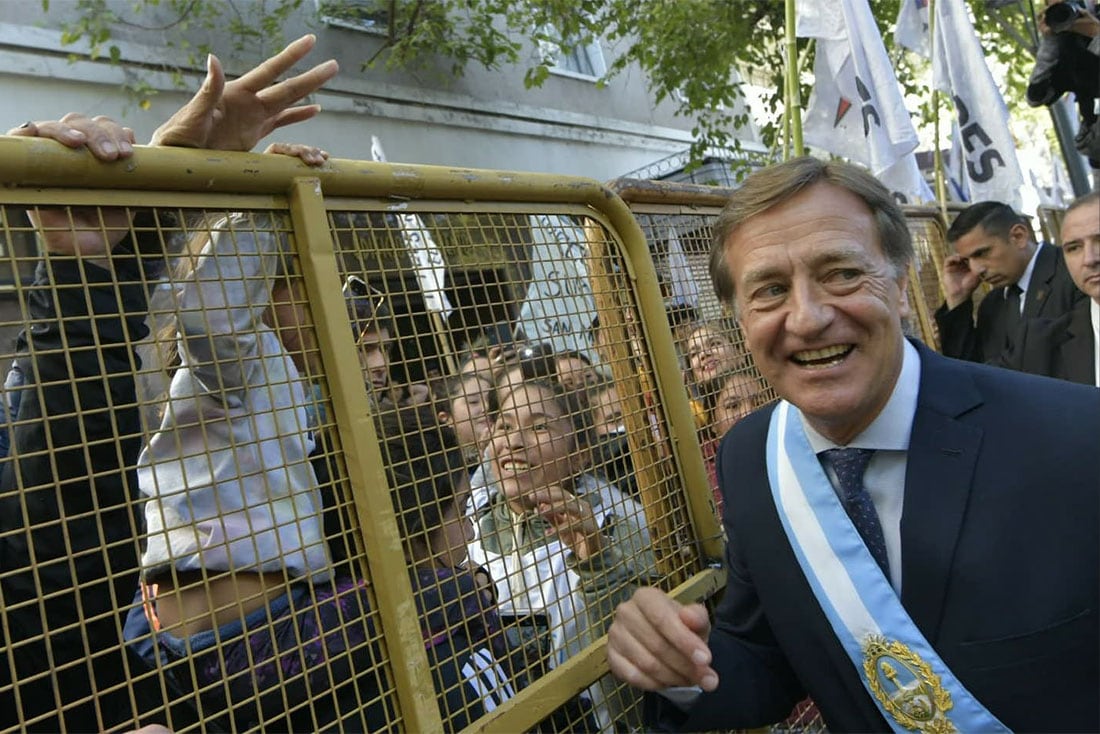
<point x="993" y="244"/>
<point x="1067" y="347"/>
<point x="984" y="486"/>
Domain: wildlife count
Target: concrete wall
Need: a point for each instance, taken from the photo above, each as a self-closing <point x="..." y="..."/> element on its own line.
<point x="484" y="119"/>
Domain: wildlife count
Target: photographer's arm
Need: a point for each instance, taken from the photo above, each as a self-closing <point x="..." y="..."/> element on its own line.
<point x="1046" y="84"/>
<point x="1041" y="89"/>
<point x="1088" y="25"/>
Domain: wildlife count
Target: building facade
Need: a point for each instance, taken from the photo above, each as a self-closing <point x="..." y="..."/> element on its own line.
<point x="483" y="119"/>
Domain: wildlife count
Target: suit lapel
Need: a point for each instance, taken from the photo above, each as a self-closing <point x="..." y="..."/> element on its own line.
<point x="1078" y="350"/>
<point x="1042" y="276"/>
<point x="943" y="453"/>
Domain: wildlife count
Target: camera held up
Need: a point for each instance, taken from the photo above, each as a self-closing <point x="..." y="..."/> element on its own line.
<point x="1060" y="16"/>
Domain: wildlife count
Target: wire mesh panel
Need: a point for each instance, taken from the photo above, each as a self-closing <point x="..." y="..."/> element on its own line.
<point x="723" y="385"/>
<point x="930" y="248"/>
<point x="551" y="410"/>
<point x="172" y="450"/>
<point x="287" y="461"/>
<point x="1050" y="223"/>
<point x="721" y="380"/>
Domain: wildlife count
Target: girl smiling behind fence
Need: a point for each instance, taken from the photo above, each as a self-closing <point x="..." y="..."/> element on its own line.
<point x="563" y="546"/>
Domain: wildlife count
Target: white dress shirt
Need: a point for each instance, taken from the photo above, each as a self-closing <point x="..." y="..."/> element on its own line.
<point x="1025" y="279"/>
<point x="888" y="434"/>
<point x="884" y="479"/>
<point x="1094" y="309"/>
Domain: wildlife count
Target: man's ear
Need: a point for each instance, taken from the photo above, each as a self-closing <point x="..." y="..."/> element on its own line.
<point x="905" y="309"/>
<point x="1019" y="234"/>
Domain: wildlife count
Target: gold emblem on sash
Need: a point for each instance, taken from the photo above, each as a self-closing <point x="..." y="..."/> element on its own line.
<point x="906" y="686"/>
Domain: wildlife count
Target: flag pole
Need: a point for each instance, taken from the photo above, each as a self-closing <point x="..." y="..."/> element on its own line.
<point x="794" y="107"/>
<point x="937" y="151"/>
<point x="787" y="107"/>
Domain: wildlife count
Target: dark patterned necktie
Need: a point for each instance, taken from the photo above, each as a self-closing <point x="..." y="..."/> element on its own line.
<point x="1012" y="308"/>
<point x="849" y="465"/>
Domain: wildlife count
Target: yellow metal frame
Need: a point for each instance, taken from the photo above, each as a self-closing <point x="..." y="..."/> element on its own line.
<point x="678" y="198"/>
<point x="359" y="440"/>
<point x="36" y="171"/>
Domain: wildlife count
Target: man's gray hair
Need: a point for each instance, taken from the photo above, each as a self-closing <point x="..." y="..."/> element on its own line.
<point x="771" y="186"/>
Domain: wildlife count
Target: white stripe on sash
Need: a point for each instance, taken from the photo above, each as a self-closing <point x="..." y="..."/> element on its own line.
<point x="903" y="673"/>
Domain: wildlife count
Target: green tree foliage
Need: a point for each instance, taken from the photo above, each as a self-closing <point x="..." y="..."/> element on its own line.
<point x="254" y="27"/>
<point x="686" y="48"/>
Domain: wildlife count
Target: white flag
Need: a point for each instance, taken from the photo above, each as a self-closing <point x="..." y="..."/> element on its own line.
<point x="959" y="69"/>
<point x="685" y="291"/>
<point x="856" y="110"/>
<point x="1045" y="199"/>
<point x="427" y="259"/>
<point x="559" y="307"/>
<point x="1060" y="191"/>
<point x="906" y="182"/>
<point x="911" y="31"/>
<point x="958" y="183"/>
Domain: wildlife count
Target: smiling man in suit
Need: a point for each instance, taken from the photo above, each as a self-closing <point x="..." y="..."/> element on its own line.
<point x="1068" y="347"/>
<point x="899" y="549"/>
<point x="993" y="244"/>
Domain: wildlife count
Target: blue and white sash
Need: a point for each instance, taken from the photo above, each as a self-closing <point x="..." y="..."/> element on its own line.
<point x="913" y="688"/>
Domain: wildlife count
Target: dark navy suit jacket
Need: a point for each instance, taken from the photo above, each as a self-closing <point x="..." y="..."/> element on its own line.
<point x="1000" y="559"/>
<point x="1063" y="347"/>
<point x="1050" y="293"/>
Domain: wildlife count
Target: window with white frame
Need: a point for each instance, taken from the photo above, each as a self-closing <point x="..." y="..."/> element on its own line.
<point x="573" y="58"/>
<point x="371" y="16"/>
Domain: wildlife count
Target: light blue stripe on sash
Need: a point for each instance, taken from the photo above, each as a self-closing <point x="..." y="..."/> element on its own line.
<point x="855" y="596"/>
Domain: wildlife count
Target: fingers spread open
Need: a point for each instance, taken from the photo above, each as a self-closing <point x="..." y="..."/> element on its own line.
<point x="295" y="88"/>
<point x="190" y="125"/>
<point x="295" y="114"/>
<point x="266" y="73"/>
<point x="212" y="86"/>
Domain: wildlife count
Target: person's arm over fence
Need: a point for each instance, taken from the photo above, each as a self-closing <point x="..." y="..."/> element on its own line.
<point x="223" y="302"/>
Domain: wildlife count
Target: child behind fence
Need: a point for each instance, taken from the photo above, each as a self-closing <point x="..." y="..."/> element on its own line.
<point x="563" y="545"/>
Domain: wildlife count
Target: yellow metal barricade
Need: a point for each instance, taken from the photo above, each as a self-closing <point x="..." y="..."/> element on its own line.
<point x="710" y="353"/>
<point x="930" y="249"/>
<point x="271" y="475"/>
<point x="1050" y="223"/>
<point x="678" y="219"/>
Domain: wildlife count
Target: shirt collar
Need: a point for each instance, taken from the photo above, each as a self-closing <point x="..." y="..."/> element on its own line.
<point x="1094" y="311"/>
<point x="1025" y="279"/>
<point x="891" y="427"/>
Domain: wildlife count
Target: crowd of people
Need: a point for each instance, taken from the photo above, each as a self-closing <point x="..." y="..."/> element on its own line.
<point x="220" y="531"/>
<point x="899" y="547"/>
